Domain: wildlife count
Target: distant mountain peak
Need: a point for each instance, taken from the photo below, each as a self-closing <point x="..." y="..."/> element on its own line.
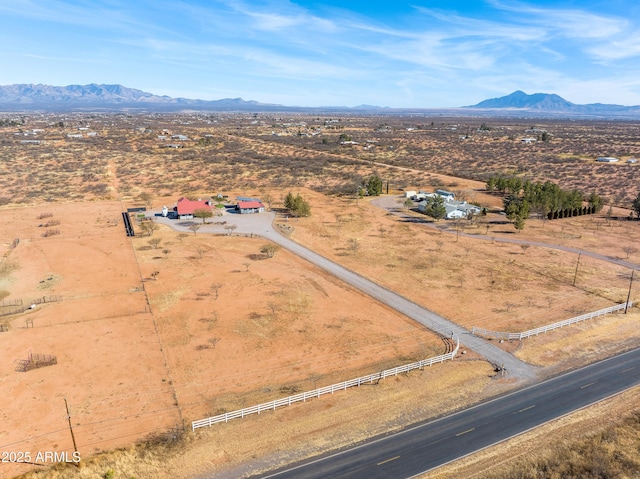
<point x="519" y="99"/>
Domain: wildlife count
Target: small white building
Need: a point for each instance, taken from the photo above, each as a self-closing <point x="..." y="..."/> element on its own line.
<point x="607" y="159"/>
<point x="447" y="195"/>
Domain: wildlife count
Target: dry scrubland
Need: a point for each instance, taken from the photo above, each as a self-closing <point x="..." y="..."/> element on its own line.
<point x="220" y="327"/>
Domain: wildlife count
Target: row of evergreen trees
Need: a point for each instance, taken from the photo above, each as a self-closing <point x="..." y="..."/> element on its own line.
<point x="547" y="199"/>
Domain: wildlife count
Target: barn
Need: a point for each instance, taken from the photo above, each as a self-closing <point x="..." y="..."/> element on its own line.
<point x="249" y="207"/>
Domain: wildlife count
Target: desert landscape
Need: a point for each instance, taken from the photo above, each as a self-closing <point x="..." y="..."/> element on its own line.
<point x="179" y="323"/>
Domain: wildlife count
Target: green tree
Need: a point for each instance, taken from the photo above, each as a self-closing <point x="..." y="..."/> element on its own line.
<point x="636" y="206"/>
<point x="297" y="205"/>
<point x="515" y="206"/>
<point x="595" y="201"/>
<point x="435" y="207"/>
<point x="518" y="223"/>
<point x="374" y="186"/>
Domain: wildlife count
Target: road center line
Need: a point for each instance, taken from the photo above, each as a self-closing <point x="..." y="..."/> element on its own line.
<point x="388" y="460"/>
<point x="464" y="432"/>
<point x="527" y="408"/>
<point x="587" y="385"/>
<point x="628" y="369"/>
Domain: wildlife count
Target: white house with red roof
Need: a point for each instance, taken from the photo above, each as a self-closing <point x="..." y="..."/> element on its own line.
<point x="186" y="207"/>
<point x="248" y="207"/>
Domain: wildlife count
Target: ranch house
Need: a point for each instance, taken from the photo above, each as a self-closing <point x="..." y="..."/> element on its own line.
<point x="185" y="208"/>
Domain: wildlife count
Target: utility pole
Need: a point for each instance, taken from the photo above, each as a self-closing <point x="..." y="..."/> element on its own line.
<point x="73" y="438"/>
<point x="626" y="306"/>
<point x="575" y="275"/>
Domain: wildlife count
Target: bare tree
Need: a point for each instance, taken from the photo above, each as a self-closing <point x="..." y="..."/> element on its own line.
<point x="440" y="244"/>
<point x="194" y="227"/>
<point x="146" y="197"/>
<point x="165" y="252"/>
<point x="215" y="289"/>
<point x="203" y="213"/>
<point x="525" y="247"/>
<point x="214" y="341"/>
<point x="230" y="229"/>
<point x="267" y="198"/>
<point x="155" y="242"/>
<point x="629" y="250"/>
<point x="246" y="265"/>
<point x="354" y="245"/>
<point x="149" y="227"/>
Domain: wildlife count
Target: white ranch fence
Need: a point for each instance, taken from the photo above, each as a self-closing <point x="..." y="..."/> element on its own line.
<point x="550" y="327"/>
<point x="302" y="397"/>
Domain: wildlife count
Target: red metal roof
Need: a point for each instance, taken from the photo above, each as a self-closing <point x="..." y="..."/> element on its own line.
<point x="249" y="204"/>
<point x="187" y="207"/>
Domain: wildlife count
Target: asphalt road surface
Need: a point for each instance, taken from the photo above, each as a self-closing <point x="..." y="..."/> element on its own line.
<point x="423" y="447"/>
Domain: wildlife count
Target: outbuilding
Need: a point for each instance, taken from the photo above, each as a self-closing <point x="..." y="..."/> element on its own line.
<point x="249" y="207"/>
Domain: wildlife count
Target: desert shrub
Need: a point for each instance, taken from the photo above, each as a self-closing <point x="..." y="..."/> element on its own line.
<point x="7" y="267"/>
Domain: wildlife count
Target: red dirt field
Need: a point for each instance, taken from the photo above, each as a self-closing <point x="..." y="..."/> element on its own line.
<point x="135" y="356"/>
<point x="110" y="365"/>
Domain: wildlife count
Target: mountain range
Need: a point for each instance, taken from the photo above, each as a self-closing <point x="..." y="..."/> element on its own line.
<point x="109" y="97"/>
<point x="30" y="97"/>
<point x="553" y="104"/>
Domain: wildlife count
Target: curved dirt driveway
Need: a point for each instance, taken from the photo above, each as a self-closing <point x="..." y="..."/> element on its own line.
<point x="261" y="225"/>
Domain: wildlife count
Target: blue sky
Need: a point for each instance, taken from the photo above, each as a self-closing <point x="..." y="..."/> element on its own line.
<point x="420" y="54"/>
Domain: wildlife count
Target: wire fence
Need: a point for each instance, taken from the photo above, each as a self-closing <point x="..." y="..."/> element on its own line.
<point x="485" y="333"/>
<point x="302" y="397"/>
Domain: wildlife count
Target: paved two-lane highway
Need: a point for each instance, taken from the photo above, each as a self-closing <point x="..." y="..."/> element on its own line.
<point x="426" y="446"/>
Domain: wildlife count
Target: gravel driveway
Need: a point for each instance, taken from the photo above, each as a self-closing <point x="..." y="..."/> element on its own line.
<point x="262" y="225"/>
